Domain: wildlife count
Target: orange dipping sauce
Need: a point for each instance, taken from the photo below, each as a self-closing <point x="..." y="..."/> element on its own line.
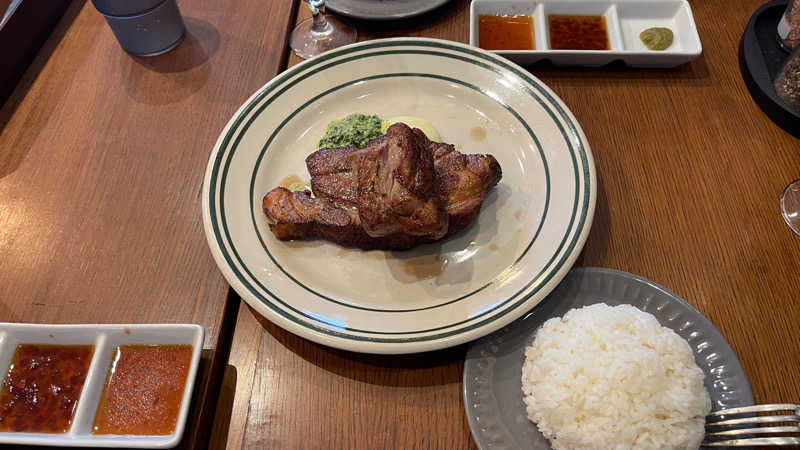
<point x="144" y="389"/>
<point x="42" y="387"/>
<point x="568" y="32"/>
<point x="505" y="32"/>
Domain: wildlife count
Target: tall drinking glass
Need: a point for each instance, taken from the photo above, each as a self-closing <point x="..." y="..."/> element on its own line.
<point x="320" y="33"/>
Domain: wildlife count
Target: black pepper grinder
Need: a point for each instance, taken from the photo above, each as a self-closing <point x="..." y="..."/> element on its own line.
<point x="787" y="83"/>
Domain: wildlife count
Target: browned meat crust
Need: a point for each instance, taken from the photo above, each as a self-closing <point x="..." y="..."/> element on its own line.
<point x="297" y="215"/>
<point x="397" y="192"/>
<point x="464" y="181"/>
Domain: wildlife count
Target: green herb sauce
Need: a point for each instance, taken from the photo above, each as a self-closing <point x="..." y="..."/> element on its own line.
<point x="355" y="129"/>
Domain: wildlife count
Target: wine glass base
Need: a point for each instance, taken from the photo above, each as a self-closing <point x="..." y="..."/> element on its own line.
<point x="790" y="205"/>
<point x="308" y="40"/>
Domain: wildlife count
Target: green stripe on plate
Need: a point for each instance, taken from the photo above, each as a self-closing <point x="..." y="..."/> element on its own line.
<point x="572" y="139"/>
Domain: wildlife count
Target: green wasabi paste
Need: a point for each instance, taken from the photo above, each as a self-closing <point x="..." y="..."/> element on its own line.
<point x="355" y="129"/>
<point x="656" y="38"/>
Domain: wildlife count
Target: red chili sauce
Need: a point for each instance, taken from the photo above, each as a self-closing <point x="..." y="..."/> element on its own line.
<point x="569" y="32"/>
<point x="143" y="390"/>
<point x="42" y="387"/>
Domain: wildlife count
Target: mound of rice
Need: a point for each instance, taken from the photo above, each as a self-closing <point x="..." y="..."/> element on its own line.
<point x="604" y="377"/>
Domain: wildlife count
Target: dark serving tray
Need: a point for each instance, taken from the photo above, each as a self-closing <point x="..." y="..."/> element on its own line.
<point x="28" y="25"/>
<point x="760" y="59"/>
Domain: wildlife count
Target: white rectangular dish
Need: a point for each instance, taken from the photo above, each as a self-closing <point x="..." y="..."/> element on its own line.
<point x="105" y="339"/>
<point x="625" y="19"/>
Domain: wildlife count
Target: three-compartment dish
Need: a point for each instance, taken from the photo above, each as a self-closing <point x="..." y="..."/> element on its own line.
<point x="624" y="20"/>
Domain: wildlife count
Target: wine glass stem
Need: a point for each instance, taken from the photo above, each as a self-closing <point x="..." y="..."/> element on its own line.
<point x="319" y="21"/>
<point x="318" y="14"/>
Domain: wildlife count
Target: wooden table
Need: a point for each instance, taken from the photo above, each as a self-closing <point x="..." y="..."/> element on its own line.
<point x="689" y="171"/>
<point x="101" y="164"/>
<point x="102" y="157"/>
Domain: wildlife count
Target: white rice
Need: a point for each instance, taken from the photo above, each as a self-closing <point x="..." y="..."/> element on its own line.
<point x="604" y="377"/>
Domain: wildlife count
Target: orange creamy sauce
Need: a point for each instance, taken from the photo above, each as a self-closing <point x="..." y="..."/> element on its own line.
<point x="144" y="389"/>
<point x="505" y="32"/>
<point x="42" y="387"/>
<point x="569" y="32"/>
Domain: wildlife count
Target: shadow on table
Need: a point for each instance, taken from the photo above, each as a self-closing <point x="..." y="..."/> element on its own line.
<point x="175" y="75"/>
<point x="224" y="409"/>
<point x="695" y="71"/>
<point x="11" y="156"/>
<point x="419" y="369"/>
<point x="595" y="248"/>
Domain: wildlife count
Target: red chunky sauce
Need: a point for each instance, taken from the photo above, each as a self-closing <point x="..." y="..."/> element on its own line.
<point x="143" y="390"/>
<point x="42" y="387"/>
<point x="568" y="32"/>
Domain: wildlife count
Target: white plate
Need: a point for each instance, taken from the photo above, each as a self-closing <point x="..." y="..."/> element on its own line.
<point x="105" y="339"/>
<point x="493" y="366"/>
<point x="625" y="19"/>
<point x="529" y="232"/>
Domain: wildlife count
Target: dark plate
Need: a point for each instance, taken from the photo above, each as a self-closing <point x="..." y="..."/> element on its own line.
<point x="760" y="59"/>
<point x="493" y="367"/>
<point x="382" y="9"/>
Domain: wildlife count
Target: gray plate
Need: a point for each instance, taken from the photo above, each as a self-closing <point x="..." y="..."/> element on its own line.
<point x="382" y="9"/>
<point x="493" y="368"/>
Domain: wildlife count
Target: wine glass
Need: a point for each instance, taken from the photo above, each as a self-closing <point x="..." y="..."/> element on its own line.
<point x="790" y="205"/>
<point x="320" y="32"/>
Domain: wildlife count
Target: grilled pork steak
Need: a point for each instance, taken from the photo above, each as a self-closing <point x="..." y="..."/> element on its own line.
<point x="399" y="191"/>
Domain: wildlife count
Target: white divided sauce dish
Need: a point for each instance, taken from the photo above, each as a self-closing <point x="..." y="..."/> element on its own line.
<point x="105" y="339"/>
<point x="625" y="19"/>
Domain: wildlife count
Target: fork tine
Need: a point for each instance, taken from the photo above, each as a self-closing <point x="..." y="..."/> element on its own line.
<point x="771" y="407"/>
<point x="755" y="419"/>
<point x="721" y="419"/>
<point x="776" y="441"/>
<point x="760" y="430"/>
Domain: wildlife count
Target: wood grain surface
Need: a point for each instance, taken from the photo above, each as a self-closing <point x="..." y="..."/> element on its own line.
<point x="689" y="172"/>
<point x="102" y="157"/>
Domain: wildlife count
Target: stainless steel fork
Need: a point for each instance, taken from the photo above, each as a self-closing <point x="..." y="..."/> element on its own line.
<point x="739" y="427"/>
